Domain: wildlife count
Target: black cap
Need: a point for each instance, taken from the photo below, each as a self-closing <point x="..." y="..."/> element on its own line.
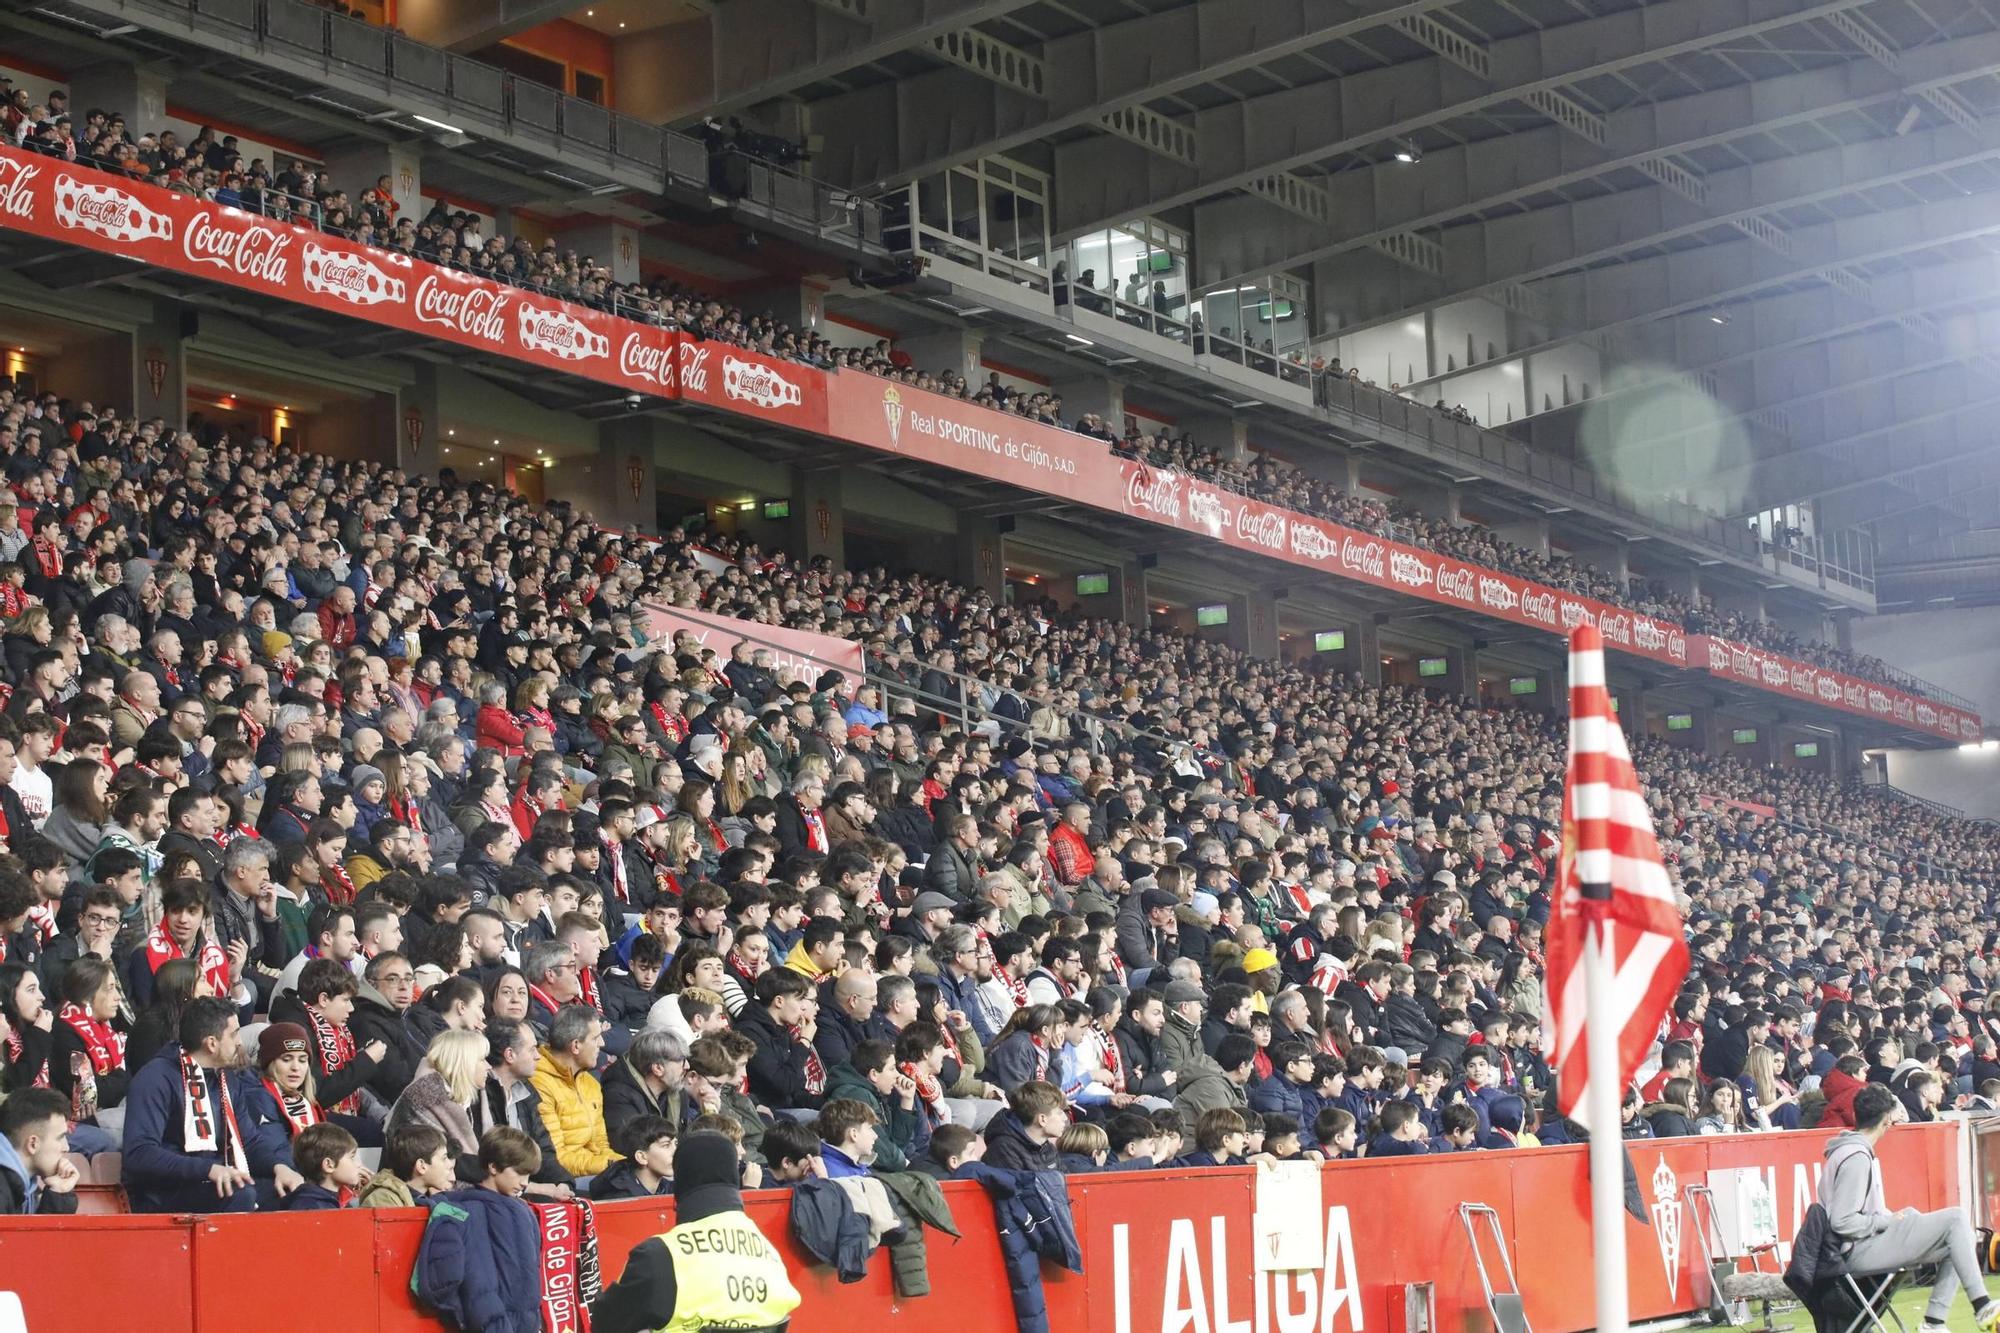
<point x="705" y="1176"/>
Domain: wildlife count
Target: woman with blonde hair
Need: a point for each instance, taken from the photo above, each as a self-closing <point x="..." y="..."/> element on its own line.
<point x="1771" y="1100"/>
<point x="453" y="1072"/>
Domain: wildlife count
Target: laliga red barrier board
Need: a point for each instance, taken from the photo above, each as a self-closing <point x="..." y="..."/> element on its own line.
<point x="1163" y="1252"/>
<point x="80" y="205"/>
<point x="1750" y="665"/>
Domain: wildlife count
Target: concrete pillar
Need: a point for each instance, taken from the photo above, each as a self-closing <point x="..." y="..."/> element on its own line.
<point x="819" y="520"/>
<point x="1744" y="601"/>
<point x="137" y="92"/>
<point x="1434" y="502"/>
<point x="622" y="484"/>
<point x="356" y="169"/>
<point x="1532" y="533"/>
<point x="1366" y="644"/>
<point x="1461" y="672"/>
<point x="799" y="304"/>
<point x="948" y="349"/>
<point x="419" y="422"/>
<point x="1843" y="630"/>
<point x="159" y="366"/>
<point x="1097" y="394"/>
<point x="1253" y="623"/>
<point x="982" y="561"/>
<point x="1611" y="556"/>
<point x="1131" y="586"/>
<point x="1631" y="701"/>
<point x="607" y="242"/>
<point x="1220" y="432"/>
<point x="1684" y="582"/>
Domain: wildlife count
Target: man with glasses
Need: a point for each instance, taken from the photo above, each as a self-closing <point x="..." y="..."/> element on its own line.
<point x="554" y="980"/>
<point x="186" y="721"/>
<point x="381" y="1014"/>
<point x="957" y="951"/>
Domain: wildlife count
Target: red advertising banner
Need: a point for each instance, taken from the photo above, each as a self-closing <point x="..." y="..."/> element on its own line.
<point x="83" y="206"/>
<point x="735" y="379"/>
<point x="1749" y="665"/>
<point x="1163" y="1252"/>
<point x="878" y="414"/>
<point x="807" y="653"/>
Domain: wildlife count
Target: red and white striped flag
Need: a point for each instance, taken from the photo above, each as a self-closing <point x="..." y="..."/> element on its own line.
<point x="1610" y="879"/>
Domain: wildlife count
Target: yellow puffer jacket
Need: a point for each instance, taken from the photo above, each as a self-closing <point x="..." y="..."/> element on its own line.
<point x="573" y="1111"/>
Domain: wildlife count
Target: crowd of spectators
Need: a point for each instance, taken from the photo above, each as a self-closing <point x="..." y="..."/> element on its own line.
<point x="393" y="770"/>
<point x="211" y="166"/>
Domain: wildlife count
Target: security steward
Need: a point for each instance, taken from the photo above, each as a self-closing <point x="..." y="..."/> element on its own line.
<point x="713" y="1270"/>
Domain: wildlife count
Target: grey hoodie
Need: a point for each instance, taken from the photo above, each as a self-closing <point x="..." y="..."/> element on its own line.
<point x="1850" y="1188"/>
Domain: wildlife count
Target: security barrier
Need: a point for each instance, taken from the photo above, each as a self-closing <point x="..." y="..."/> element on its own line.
<point x="1164" y="1252"/>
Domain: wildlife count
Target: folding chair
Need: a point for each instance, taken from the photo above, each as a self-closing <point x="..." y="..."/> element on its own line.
<point x="1732" y="1288"/>
<point x="1509" y="1314"/>
<point x="1871" y="1294"/>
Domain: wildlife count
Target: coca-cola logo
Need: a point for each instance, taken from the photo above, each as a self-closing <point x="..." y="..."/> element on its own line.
<point x="1156" y="493"/>
<point x="1803" y="678"/>
<point x="560" y="334"/>
<point x="474" y="309"/>
<point x="17" y="199"/>
<point x="1743" y="662"/>
<point x="1207" y="508"/>
<point x="1854" y="695"/>
<point x="1261" y="527"/>
<point x="641" y="358"/>
<point x="1904" y="709"/>
<point x="1616" y="627"/>
<point x="694" y="368"/>
<point x="248" y="249"/>
<point x="1539" y="606"/>
<point x="1458" y="582"/>
<point x="1677" y="645"/>
<point x="1497" y="593"/>
<point x="348" y="277"/>
<point x="1409" y="570"/>
<point x="1574" y="614"/>
<point x="105" y="211"/>
<point x="1312" y="541"/>
<point x="1366" y="558"/>
<point x="758" y="384"/>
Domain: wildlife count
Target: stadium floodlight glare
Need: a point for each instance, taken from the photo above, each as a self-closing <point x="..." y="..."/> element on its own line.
<point x="436" y="124"/>
<point x="1078" y="338"/>
<point x="1409" y="154"/>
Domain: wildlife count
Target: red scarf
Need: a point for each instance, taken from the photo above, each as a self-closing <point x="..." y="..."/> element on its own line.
<point x="1015" y="987"/>
<point x="614" y="860"/>
<point x="716" y="836"/>
<point x="161" y="947"/>
<point x="672" y="725"/>
<point x="543" y="997"/>
<point x="928" y="1088"/>
<point x="17" y="1047"/>
<point x="338" y="885"/>
<point x="1109" y="1041"/>
<point x="105" y="1043"/>
<point x="336" y="1047"/>
<point x="570" y="1280"/>
<point x="815" y="1068"/>
<point x="48" y="556"/>
<point x="199" y="1131"/>
<point x="297" y="1108"/>
<point x="1041" y="1059"/>
<point x="815" y="830"/>
<point x="587" y="979"/>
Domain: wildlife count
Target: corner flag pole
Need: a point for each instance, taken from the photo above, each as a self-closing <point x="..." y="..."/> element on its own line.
<point x="1607" y="1152"/>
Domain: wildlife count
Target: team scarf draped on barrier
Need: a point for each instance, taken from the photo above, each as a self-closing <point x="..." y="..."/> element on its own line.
<point x="570" y="1276"/>
<point x="1609" y="879"/>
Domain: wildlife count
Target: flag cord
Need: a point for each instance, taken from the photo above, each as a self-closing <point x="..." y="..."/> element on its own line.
<point x="1602" y="1096"/>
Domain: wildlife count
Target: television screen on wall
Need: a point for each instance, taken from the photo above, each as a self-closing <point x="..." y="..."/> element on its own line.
<point x="1217" y="614"/>
<point x="1744" y="735"/>
<point x="1092" y="585"/>
<point x="1330" y="641"/>
<point x="1431" y="666"/>
<point x="1521" y="685"/>
<point x="1805" y="750"/>
<point x="1680" y="721"/>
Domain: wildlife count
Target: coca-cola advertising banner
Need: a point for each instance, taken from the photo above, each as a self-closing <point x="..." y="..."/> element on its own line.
<point x="83" y="206"/>
<point x="1748" y="665"/>
<point x="733" y="379"/>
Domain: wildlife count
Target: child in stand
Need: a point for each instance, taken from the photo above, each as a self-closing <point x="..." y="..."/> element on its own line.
<point x="330" y="1160"/>
<point x="647" y="1169"/>
<point x="951" y="1147"/>
<point x="1169" y="1136"/>
<point x="1334" y="1128"/>
<point x="1460" y="1126"/>
<point x="1083" y="1147"/>
<point x="415" y="1165"/>
<point x="749" y="1175"/>
<point x="1220" y="1137"/>
<point x="847" y="1132"/>
<point x="1399" y="1132"/>
<point x="510" y="1159"/>
<point x="1282" y="1136"/>
<point x="1131" y="1138"/>
<point x="792" y="1149"/>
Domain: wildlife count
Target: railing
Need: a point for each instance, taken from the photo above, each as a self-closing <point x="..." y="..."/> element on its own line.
<point x="1140" y="315"/>
<point x="904" y="231"/>
<point x="834" y="214"/>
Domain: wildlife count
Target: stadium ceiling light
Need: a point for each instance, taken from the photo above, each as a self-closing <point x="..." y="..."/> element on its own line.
<point x="1718" y="316"/>
<point x="436" y="124"/>
<point x="1078" y="338"/>
<point x="1409" y="154"/>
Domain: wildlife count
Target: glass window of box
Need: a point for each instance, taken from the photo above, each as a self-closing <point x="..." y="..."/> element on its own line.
<point x="1263" y="324"/>
<point x="1136" y="273"/>
<point x="992" y="215"/>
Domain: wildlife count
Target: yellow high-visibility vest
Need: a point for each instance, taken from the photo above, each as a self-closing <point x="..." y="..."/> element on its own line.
<point x="727" y="1274"/>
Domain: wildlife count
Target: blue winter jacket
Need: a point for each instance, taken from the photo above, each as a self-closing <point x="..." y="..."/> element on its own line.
<point x="480" y="1263"/>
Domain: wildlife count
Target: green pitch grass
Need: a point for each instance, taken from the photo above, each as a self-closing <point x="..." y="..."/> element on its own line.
<point x="1909" y="1303"/>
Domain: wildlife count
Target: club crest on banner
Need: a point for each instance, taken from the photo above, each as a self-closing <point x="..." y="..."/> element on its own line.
<point x="892" y="411"/>
<point x="1666" y="1212"/>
